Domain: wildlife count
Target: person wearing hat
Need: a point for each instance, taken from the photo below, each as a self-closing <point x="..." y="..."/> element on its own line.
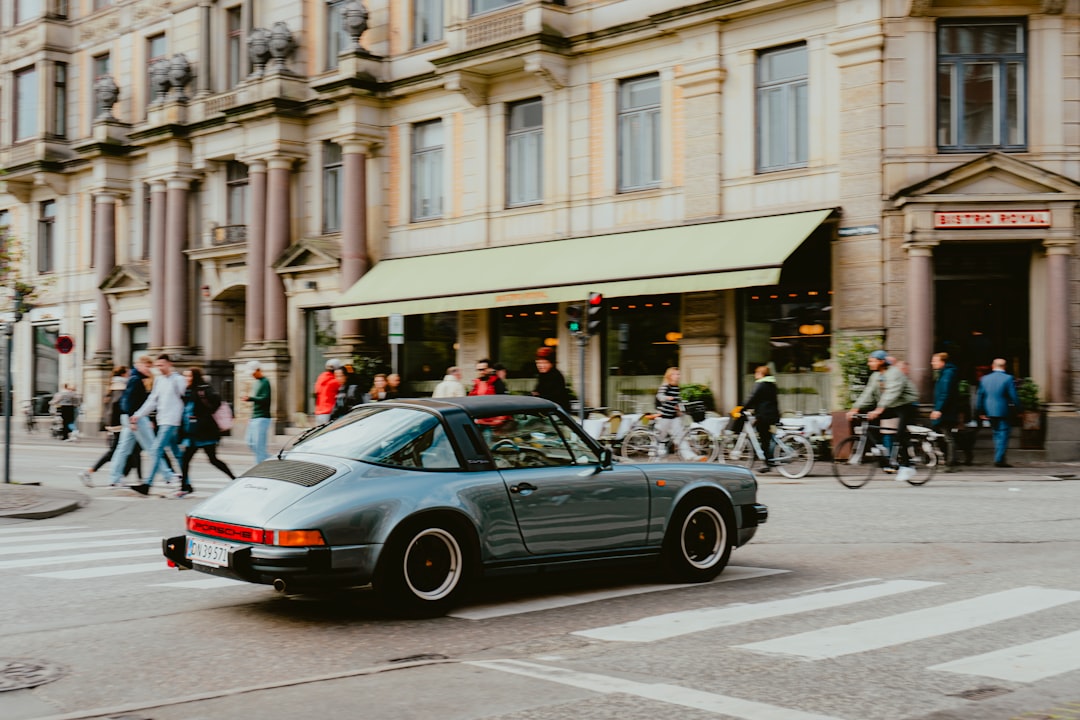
<point x="259" y="425"/>
<point x="326" y="387"/>
<point x="550" y="383"/>
<point x="889" y="393"/>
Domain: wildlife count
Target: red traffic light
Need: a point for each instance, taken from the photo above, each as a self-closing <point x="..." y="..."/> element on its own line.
<point x="596" y="299"/>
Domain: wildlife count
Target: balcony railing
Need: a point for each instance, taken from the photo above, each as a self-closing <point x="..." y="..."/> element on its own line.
<point x="229" y="234"/>
<point x="496" y="29"/>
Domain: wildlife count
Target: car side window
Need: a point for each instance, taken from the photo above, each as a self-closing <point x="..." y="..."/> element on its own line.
<point x="580" y="450"/>
<point x="525" y="440"/>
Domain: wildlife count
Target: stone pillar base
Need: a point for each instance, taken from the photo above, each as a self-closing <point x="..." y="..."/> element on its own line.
<point x="1062" y="437"/>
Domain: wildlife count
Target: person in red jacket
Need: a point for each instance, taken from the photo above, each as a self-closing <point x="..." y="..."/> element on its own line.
<point x="326" y="388"/>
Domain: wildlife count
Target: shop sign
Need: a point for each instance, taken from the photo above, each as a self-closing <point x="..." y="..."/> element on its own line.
<point x="521" y="298"/>
<point x="992" y="219"/>
<point x="857" y="230"/>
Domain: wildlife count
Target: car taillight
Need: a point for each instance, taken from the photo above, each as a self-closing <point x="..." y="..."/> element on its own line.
<point x="243" y="533"/>
<point x="293" y="538"/>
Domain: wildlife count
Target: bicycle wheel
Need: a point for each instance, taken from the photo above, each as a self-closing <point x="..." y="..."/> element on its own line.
<point x="850" y="467"/>
<point x="737" y="450"/>
<point x="793" y="456"/>
<point x="697" y="445"/>
<point x="924" y="459"/>
<point x="639" y="446"/>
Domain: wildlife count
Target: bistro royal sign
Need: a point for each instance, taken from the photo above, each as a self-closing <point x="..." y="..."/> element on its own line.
<point x="992" y="219"/>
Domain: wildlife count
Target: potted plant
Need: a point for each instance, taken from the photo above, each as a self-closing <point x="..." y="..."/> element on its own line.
<point x="698" y="393"/>
<point x="851" y="355"/>
<point x="1030" y="415"/>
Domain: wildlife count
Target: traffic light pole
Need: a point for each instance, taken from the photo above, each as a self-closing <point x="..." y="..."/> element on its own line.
<point x="582" y="341"/>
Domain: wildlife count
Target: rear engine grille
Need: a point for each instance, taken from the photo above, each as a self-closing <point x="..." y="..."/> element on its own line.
<point x="294" y="471"/>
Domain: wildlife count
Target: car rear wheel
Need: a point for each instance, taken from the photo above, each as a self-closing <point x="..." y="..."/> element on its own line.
<point x="698" y="541"/>
<point x="423" y="570"/>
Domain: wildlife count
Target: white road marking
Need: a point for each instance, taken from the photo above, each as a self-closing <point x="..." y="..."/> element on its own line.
<point x="916" y="625"/>
<point x="39" y="529"/>
<point x="73" y="558"/>
<point x="1022" y="663"/>
<point x="660" y="692"/>
<point x="105" y="571"/>
<point x="51" y="547"/>
<point x="549" y="602"/>
<point x="864" y="581"/>
<point x="206" y="584"/>
<point x="69" y="536"/>
<point x="669" y="625"/>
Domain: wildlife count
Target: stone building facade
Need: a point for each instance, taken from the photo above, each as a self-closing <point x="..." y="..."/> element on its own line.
<point x="234" y="179"/>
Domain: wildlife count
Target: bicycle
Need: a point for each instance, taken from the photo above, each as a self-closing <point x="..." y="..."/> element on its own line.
<point x="793" y="455"/>
<point x="691" y="443"/>
<point x="855" y="458"/>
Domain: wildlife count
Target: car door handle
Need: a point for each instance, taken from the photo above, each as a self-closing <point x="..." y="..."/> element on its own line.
<point x="523" y="488"/>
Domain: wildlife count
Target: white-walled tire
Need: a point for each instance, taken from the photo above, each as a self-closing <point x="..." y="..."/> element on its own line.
<point x="423" y="570"/>
<point x="698" y="542"/>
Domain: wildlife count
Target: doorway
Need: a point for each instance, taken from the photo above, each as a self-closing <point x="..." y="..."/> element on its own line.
<point x="981" y="308"/>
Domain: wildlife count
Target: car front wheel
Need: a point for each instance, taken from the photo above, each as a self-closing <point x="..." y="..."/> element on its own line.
<point x="422" y="571"/>
<point x="698" y="542"/>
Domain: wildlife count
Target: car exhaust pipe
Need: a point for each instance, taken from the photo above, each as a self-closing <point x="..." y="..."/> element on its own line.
<point x="279" y="585"/>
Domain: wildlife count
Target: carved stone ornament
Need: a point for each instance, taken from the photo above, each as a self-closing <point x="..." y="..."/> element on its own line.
<point x="106" y="93"/>
<point x="159" y="80"/>
<point x="179" y="75"/>
<point x="258" y="51"/>
<point x="354" y="20"/>
<point x="282" y="46"/>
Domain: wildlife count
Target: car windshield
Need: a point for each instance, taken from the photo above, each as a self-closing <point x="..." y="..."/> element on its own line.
<point x="403" y="437"/>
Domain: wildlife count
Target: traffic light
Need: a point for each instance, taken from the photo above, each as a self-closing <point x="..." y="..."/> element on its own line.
<point x="573" y="319"/>
<point x="595" y="313"/>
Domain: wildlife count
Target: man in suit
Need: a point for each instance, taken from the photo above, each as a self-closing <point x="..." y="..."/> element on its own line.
<point x="997" y="401"/>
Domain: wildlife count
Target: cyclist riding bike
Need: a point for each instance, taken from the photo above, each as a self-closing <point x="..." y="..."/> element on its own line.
<point x="889" y="393"/>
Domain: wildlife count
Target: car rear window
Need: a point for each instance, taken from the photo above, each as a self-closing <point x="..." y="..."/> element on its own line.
<point x="396" y="436"/>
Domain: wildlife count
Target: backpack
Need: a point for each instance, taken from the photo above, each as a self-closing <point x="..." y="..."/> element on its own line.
<point x="223" y="416"/>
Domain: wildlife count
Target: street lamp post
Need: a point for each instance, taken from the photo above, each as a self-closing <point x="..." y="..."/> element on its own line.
<point x="9" y="392"/>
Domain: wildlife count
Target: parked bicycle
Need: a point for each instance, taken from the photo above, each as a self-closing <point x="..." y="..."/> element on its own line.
<point x="792" y="454"/>
<point x="858" y="457"/>
<point x="689" y="443"/>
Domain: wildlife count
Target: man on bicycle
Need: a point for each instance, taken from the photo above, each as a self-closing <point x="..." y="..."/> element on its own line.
<point x="889" y="393"/>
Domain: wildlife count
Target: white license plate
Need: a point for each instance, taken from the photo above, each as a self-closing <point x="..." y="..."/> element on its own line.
<point x="208" y="552"/>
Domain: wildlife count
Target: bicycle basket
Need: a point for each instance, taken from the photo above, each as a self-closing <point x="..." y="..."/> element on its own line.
<point x="695" y="409"/>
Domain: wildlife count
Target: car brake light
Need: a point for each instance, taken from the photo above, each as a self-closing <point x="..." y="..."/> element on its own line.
<point x="294" y="538"/>
<point x="226" y="531"/>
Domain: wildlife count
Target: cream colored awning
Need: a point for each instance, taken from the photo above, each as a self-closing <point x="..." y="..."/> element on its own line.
<point x="690" y="258"/>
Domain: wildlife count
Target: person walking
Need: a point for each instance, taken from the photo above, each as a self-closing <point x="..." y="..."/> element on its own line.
<point x="326" y="387"/>
<point x="66" y="403"/>
<point x="946" y="413"/>
<point x="997" y="401"/>
<point x="167" y="399"/>
<point x="199" y="430"/>
<point x="765" y="402"/>
<point x="349" y="394"/>
<point x="668" y="400"/>
<point x="889" y="393"/>
<point x="114" y="426"/>
<point x="259" y="426"/>
<point x="550" y="383"/>
<point x="451" y="385"/>
<point x="134" y="439"/>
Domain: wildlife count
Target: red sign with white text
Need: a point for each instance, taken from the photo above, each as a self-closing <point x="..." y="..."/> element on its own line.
<point x="992" y="219"/>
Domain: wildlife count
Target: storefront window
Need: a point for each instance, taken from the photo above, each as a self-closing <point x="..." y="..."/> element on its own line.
<point x="429" y="349"/>
<point x="641" y="342"/>
<point x="321" y="335"/>
<point x="517" y="333"/>
<point x="46" y="366"/>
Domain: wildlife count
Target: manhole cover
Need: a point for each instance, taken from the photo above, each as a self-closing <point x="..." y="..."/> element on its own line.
<point x="21" y="674"/>
<point x="982" y="693"/>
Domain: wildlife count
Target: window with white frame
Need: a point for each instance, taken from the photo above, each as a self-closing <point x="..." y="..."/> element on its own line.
<point x="427" y="20"/>
<point x="783" y="116"/>
<point x="331" y="187"/>
<point x="982" y="95"/>
<point x="26" y="104"/>
<point x="59" y="100"/>
<point x="236" y="181"/>
<point x="639" y="133"/>
<point x="427" y="163"/>
<point x="156" y="49"/>
<point x="336" y="39"/>
<point x="482" y="6"/>
<point x="525" y="153"/>
<point x="46" y="239"/>
<point x="234" y="46"/>
<point x="28" y="10"/>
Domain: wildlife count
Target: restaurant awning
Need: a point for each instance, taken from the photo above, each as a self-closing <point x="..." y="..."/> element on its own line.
<point x="689" y="258"/>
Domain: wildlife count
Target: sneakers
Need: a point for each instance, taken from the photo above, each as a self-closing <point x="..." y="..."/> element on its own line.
<point x="904" y="474"/>
<point x="143" y="489"/>
<point x="1002" y="464"/>
<point x="86" y="479"/>
<point x="184" y="492"/>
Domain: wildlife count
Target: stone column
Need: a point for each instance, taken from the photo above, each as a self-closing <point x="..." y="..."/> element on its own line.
<point x="202" y="79"/>
<point x="920" y="319"/>
<point x="104" y="261"/>
<point x="1057" y="325"/>
<point x="256" y="255"/>
<point x="354" y="253"/>
<point x="157" y="263"/>
<point x="278" y="234"/>
<point x="176" y="264"/>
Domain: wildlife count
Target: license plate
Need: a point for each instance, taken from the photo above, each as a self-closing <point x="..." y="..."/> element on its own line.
<point x="208" y="552"/>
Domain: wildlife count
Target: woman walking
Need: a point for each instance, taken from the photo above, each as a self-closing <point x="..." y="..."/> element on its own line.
<point x="112" y="425"/>
<point x="199" y="430"/>
<point x="668" y="399"/>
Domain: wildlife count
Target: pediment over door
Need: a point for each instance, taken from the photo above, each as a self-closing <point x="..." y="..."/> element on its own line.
<point x="131" y="278"/>
<point x="920" y="8"/>
<point x="309" y="255"/>
<point x="994" y="178"/>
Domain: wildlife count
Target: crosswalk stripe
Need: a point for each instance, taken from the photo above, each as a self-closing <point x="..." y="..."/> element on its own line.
<point x="916" y="625"/>
<point x="23" y="529"/>
<point x="51" y="547"/>
<point x="104" y="571"/>
<point x="660" y="692"/>
<point x="1022" y="663"/>
<point x="4" y="542"/>
<point x="205" y="584"/>
<point x="71" y="558"/>
<point x="549" y="602"/>
<point x="661" y="627"/>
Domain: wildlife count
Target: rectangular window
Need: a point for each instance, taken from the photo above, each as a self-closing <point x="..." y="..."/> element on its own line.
<point x="155" y="50"/>
<point x="235" y="46"/>
<point x="5" y="230"/>
<point x="525" y="153"/>
<point x="236" y="178"/>
<point x="46" y="250"/>
<point x="26" y="104"/>
<point x="639" y="133"/>
<point x="102" y="66"/>
<point x="427" y="22"/>
<point x="783" y="115"/>
<point x="482" y="6"/>
<point x="331" y="187"/>
<point x="427" y="163"/>
<point x="59" y="120"/>
<point x="982" y="73"/>
<point x="143" y="252"/>
<point x="336" y="39"/>
<point x="28" y="10"/>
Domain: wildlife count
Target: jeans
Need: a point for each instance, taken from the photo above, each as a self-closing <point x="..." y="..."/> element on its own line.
<point x="1000" y="427"/>
<point x="142" y="434"/>
<point x="165" y="440"/>
<point x="257" y="430"/>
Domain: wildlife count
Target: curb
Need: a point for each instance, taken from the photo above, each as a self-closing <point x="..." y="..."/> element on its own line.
<point x="41" y="504"/>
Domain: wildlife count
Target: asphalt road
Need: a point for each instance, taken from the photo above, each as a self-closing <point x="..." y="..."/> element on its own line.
<point x="960" y="599"/>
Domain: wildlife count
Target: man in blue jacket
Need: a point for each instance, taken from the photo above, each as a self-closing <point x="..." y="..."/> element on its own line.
<point x="945" y="415"/>
<point x="997" y="401"/>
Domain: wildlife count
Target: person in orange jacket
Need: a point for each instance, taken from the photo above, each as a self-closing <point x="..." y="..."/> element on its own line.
<point x="326" y="388"/>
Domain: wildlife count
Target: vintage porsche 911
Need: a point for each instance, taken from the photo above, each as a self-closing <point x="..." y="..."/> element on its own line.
<point x="417" y="497"/>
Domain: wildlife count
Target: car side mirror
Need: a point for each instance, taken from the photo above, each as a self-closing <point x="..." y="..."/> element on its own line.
<point x="605" y="458"/>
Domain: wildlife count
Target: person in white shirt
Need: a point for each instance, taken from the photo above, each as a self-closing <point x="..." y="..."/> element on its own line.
<point x="167" y="398"/>
<point x="451" y="386"/>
